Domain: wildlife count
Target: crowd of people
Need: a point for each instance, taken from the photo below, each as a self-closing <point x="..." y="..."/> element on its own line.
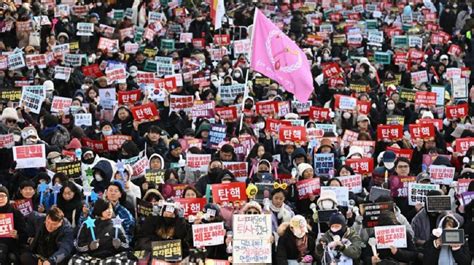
<point x="129" y="126"/>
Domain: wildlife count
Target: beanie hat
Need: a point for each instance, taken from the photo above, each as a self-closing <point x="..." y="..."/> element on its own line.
<point x="298" y="224"/>
<point x="174" y="144"/>
<point x="327" y="195"/>
<point x="9" y="113"/>
<point x="99" y="207"/>
<point x="29" y="132"/>
<point x="27" y="183"/>
<point x="74" y="144"/>
<point x="48" y="85"/>
<point x="4" y="189"/>
<point x="119" y="185"/>
<point x="252" y="204"/>
<point x="337" y="218"/>
<point x="302" y="168"/>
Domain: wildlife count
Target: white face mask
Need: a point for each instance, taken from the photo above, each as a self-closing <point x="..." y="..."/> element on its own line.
<point x="299" y="233"/>
<point x="30" y="141"/>
<point x="391" y="106"/>
<point x="99" y="4"/>
<point x="237" y="75"/>
<point x="107" y="132"/>
<point x="335" y="230"/>
<point x="346" y="115"/>
<point x="260" y="125"/>
<point x="221" y="74"/>
<point x="98" y="177"/>
<point x="326" y="204"/>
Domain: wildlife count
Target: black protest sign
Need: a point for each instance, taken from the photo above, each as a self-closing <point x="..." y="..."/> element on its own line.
<point x="264" y="190"/>
<point x="377" y="192"/>
<point x="155" y="176"/>
<point x="144" y="208"/>
<point x="325" y="215"/>
<point x="70" y="169"/>
<point x="438" y="203"/>
<point x="453" y="236"/>
<point x="167" y="250"/>
<point x="371" y="212"/>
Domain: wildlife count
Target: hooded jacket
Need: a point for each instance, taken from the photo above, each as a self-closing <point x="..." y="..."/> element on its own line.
<point x="133" y="191"/>
<point x="352" y="251"/>
<point x="105" y="167"/>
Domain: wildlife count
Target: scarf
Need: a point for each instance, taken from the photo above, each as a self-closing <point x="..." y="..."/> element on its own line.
<point x="302" y="245"/>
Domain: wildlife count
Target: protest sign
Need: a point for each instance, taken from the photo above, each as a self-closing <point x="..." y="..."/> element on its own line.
<point x="24" y="206"/>
<point x="116" y="75"/>
<point x="13" y="95"/>
<point x="16" y="61"/>
<point x="178" y="103"/>
<point x="229" y="192"/>
<point x="198" y="161"/>
<point x="242" y="46"/>
<point x="70" y="169"/>
<point x="6" y="225"/>
<point x="84" y="29"/>
<point x="319" y="114"/>
<point x="462" y="185"/>
<point x="83" y="119"/>
<point x="292" y="134"/>
<point x="173" y="191"/>
<point x="308" y="187"/>
<point x="441" y="174"/>
<point x="353" y="182"/>
<point x="239" y="169"/>
<point x="371" y="212"/>
<point x="29" y="156"/>
<point x="107" y="98"/>
<point x="139" y="167"/>
<point x="377" y="192"/>
<point x="203" y="109"/>
<point x="129" y="97"/>
<point x="217" y="134"/>
<point x="7" y="140"/>
<point x="399" y="185"/>
<point x="457" y="111"/>
<point x="145" y="112"/>
<point x="227" y="114"/>
<point x="342" y="194"/>
<point x="208" y="234"/>
<point x="459" y="88"/>
<point x="439" y="203"/>
<point x="467" y="197"/>
<point x="324" y="164"/>
<point x="155" y="176"/>
<point x="417" y="192"/>
<point x="31" y="101"/>
<point x="407" y="153"/>
<point x="229" y="92"/>
<point x="391" y="235"/>
<point x="33" y="60"/>
<point x="266" y="108"/>
<point x="95" y="145"/>
<point x="192" y="206"/>
<point x="60" y="104"/>
<point x="109" y="45"/>
<point x="422" y="131"/>
<point x="425" y="98"/>
<point x="190" y="142"/>
<point x="361" y="165"/>
<point x="167" y="250"/>
<point x="115" y="142"/>
<point x="144" y="208"/>
<point x="250" y="239"/>
<point x="345" y="102"/>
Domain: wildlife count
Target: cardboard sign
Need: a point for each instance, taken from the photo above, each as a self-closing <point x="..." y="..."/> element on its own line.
<point x="323" y="164"/>
<point x="208" y="234"/>
<point x="228" y="192"/>
<point x="391" y="235"/>
<point x="361" y="165"/>
<point x="425" y="98"/>
<point x="371" y="212"/>
<point x="155" y="176"/>
<point x="24" y="206"/>
<point x="441" y="174"/>
<point x="29" y="156"/>
<point x="457" y="111"/>
<point x="438" y="203"/>
<point x="167" y="250"/>
<point x="145" y="112"/>
<point x="422" y="131"/>
<point x="417" y="192"/>
<point x="192" y="206"/>
<point x="6" y="225"/>
<point x="250" y="239"/>
<point x="70" y="169"/>
<point x="353" y="183"/>
<point x="292" y="134"/>
<point x="308" y="187"/>
<point x="7" y="140"/>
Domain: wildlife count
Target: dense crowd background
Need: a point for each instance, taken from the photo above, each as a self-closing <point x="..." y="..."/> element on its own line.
<point x="127" y="123"/>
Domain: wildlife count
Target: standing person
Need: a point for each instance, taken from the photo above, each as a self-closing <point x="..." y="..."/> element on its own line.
<point x="53" y="241"/>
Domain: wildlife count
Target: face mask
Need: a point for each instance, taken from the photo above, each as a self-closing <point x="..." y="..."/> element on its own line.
<point x="88" y="161"/>
<point x="391" y="106"/>
<point x="98" y="177"/>
<point x="221" y="74"/>
<point x="339" y="232"/>
<point x="30" y="141"/>
<point x="107" y="132"/>
<point x="326" y="204"/>
<point x="248" y="105"/>
<point x="214" y="173"/>
<point x="346" y="115"/>
<point x="260" y="125"/>
<point x="237" y="75"/>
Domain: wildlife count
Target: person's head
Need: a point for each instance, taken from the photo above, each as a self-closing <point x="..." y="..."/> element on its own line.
<point x="171" y="176"/>
<point x="154" y="134"/>
<point x="27" y="189"/>
<point x="226" y="153"/>
<point x="298" y="226"/>
<point x="334" y="183"/>
<point x="92" y="93"/>
<point x="190" y="193"/>
<point x="156" y="162"/>
<point x="337" y="224"/>
<point x="430" y="144"/>
<point x="175" y="148"/>
<point x="387" y="218"/>
<point x="252" y="207"/>
<point x="402" y="166"/>
<point x="69" y="191"/>
<point x="391" y="104"/>
<point x="345" y="171"/>
<point x="278" y="197"/>
<point x="123" y="113"/>
<point x="449" y="221"/>
<point x="264" y="166"/>
<point x="54" y="219"/>
<point x="305" y="171"/>
<point x="327" y="200"/>
<point x="114" y="192"/>
<point x="103" y="209"/>
<point x="4" y="196"/>
<point x="10" y="117"/>
<point x="363" y="122"/>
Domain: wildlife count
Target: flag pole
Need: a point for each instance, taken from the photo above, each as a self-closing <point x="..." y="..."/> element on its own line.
<point x="246" y="90"/>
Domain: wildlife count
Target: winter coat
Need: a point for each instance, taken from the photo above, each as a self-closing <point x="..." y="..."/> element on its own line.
<point x="286" y="248"/>
<point x="403" y="255"/>
<point x="57" y="246"/>
<point x="352" y="251"/>
<point x="104" y="234"/>
<point x="106" y="168"/>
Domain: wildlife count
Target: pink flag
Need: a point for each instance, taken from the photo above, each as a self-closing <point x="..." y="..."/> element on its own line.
<point x="275" y="55"/>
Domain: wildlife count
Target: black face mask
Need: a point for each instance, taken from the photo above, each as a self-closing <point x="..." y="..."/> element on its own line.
<point x="248" y="106"/>
<point x="214" y="174"/>
<point x="88" y="161"/>
<point x="341" y="232"/>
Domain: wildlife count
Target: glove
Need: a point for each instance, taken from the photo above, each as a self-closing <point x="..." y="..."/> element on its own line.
<point x="116" y="243"/>
<point x="94" y="245"/>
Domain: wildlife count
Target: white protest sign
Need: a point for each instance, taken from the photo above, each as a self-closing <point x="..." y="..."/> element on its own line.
<point x="208" y="234"/>
<point x="417" y="192"/>
<point x="16" y="61"/>
<point x="354" y="183"/>
<point x="85" y="29"/>
<point x="29" y="156"/>
<point x="342" y="194"/>
<point x="83" y="119"/>
<point x="62" y="73"/>
<point x="60" y="104"/>
<point x="459" y="88"/>
<point x="251" y="235"/>
<point x="391" y="235"/>
<point x="441" y="174"/>
<point x="242" y="46"/>
<point x="31" y="101"/>
<point x="229" y="92"/>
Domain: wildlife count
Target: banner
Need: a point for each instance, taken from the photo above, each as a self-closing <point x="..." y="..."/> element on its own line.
<point x="229" y="192"/>
<point x="308" y="187"/>
<point x="29" y="156"/>
<point x="208" y="234"/>
<point x="391" y="235"/>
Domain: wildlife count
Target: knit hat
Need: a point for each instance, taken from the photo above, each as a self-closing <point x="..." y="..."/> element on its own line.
<point x="327" y="195"/>
<point x="252" y="204"/>
<point x="355" y="150"/>
<point x="299" y="225"/>
<point x="337" y="218"/>
<point x="9" y="113"/>
<point x="48" y="85"/>
<point x="74" y="144"/>
<point x="174" y="144"/>
<point x="4" y="189"/>
<point x="302" y="168"/>
<point x="361" y="118"/>
<point x="29" y="132"/>
<point x="99" y="207"/>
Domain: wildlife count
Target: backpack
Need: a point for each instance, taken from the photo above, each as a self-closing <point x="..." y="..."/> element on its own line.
<point x="61" y="137"/>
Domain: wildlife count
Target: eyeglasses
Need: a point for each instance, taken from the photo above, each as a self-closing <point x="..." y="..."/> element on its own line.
<point x="3" y="196"/>
<point x="402" y="166"/>
<point x="252" y="212"/>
